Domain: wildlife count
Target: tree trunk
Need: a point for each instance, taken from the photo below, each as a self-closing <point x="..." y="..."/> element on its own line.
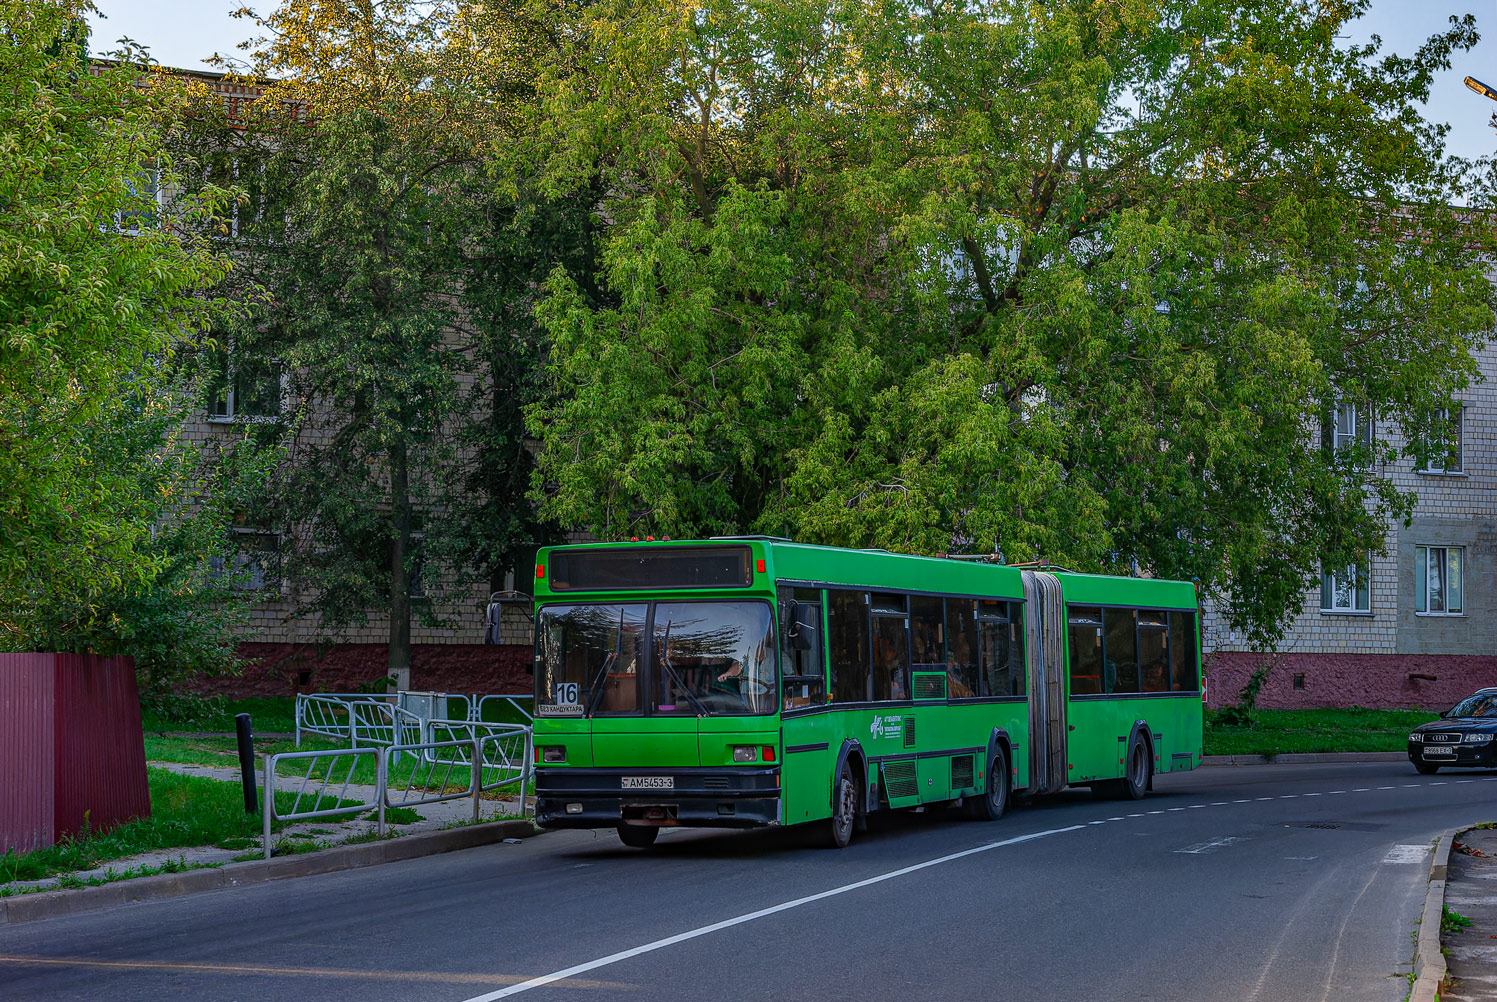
<point x="400" y="590"/>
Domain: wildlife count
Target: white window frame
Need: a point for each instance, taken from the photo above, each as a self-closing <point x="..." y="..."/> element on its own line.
<point x="1454" y="571"/>
<point x="1359" y="432"/>
<point x="1458" y="425"/>
<point x="1359" y="575"/>
<point x="261" y="580"/>
<point x="127" y="222"/>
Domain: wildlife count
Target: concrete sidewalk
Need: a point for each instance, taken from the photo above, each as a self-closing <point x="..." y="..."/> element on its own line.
<point x="1471" y="892"/>
<point x="303" y="837"/>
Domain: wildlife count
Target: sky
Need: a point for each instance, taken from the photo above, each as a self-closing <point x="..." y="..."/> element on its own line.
<point x="184" y="33"/>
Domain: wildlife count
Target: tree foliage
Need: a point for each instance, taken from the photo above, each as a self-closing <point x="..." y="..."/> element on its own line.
<point x="1077" y="282"/>
<point x="401" y="263"/>
<point x="107" y="520"/>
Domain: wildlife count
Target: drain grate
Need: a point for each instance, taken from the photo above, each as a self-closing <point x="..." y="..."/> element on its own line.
<point x="1322" y="824"/>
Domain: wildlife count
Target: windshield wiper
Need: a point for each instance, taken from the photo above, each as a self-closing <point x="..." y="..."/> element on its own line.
<point x="597" y="689"/>
<point x="665" y="646"/>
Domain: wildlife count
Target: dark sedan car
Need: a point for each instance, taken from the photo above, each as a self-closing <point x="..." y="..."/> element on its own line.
<point x="1463" y="736"/>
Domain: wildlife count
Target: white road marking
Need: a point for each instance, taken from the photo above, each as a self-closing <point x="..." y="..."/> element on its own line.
<point x="1265" y="798"/>
<point x="1096" y="822"/>
<point x="1173" y="809"/>
<point x="1440" y="783"/>
<point x="1289" y="796"/>
<point x="1201" y="848"/>
<point x="1194" y="806"/>
<point x="1301" y="857"/>
<point x="1114" y="819"/>
<point x="1156" y="812"/>
<point x="1334" y="792"/>
<point x="661" y="944"/>
<point x="1460" y="781"/>
<point x="1242" y="801"/>
<point x="1312" y="794"/>
<point x="1219" y="803"/>
<point x="1407" y="854"/>
<point x="1387" y="787"/>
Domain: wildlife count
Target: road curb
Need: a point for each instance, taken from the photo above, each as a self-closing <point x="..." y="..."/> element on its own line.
<point x="1429" y="961"/>
<point x="1303" y="758"/>
<point x="51" y="904"/>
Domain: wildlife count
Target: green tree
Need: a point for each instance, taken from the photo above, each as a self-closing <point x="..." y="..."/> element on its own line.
<point x="1075" y="281"/>
<point x="107" y="519"/>
<point x="400" y="264"/>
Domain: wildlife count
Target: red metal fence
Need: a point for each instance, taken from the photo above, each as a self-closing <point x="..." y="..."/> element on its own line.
<point x="71" y="747"/>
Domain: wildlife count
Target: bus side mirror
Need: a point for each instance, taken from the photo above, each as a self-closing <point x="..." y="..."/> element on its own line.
<point x="804" y="620"/>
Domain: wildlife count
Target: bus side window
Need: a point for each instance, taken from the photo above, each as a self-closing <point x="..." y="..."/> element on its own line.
<point x="1018" y="667"/>
<point x="961" y="647"/>
<point x="1154" y="669"/>
<point x="1183" y="652"/>
<point x="848" y="642"/>
<point x="1121" y="650"/>
<point x="992" y="626"/>
<point x="1085" y="630"/>
<point x="802" y="665"/>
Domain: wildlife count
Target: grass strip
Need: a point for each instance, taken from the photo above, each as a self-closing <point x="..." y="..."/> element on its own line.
<point x="1276" y="732"/>
<point x="186" y="811"/>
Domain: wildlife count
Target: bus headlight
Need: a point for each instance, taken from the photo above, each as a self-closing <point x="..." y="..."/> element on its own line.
<point x="745" y="753"/>
<point x="553" y="753"/>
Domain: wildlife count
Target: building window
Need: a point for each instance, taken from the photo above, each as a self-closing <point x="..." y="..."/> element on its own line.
<point x="1437" y="580"/>
<point x="1350" y="426"/>
<point x="253" y="564"/>
<point x="246" y="390"/>
<point x="1443" y="444"/>
<point x="1346" y="589"/>
<point x="145" y="202"/>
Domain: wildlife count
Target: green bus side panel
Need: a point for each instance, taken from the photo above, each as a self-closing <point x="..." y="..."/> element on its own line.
<point x="806" y="776"/>
<point x="1099" y="743"/>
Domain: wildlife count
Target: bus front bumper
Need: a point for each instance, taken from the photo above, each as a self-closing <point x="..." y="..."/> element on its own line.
<point x="688" y="797"/>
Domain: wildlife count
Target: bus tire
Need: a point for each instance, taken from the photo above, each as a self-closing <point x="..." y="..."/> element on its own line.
<point x="992" y="802"/>
<point x="1139" y="772"/>
<point x="638" y="836"/>
<point x="844" y="819"/>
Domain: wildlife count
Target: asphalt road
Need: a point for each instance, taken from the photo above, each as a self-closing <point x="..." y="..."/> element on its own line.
<point x="1248" y="884"/>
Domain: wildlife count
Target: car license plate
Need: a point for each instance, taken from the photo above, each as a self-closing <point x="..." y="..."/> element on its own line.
<point x="1438" y="752"/>
<point x="649" y="782"/>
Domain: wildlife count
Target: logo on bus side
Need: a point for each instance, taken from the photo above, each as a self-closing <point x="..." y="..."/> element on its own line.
<point x="886" y="727"/>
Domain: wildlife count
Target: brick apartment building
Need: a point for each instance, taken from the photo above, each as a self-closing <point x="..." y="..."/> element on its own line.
<point x="290" y="653"/>
<point x="1416" y="627"/>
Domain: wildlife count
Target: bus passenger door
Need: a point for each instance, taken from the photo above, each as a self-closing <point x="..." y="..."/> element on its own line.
<point x="806" y="726"/>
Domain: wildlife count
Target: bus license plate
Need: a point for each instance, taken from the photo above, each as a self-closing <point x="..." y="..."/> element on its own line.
<point x="649" y="782"/>
<point x="1438" y="752"/>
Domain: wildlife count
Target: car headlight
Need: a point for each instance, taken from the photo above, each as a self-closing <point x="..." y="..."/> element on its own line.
<point x="1477" y="739"/>
<point x="1416" y="737"/>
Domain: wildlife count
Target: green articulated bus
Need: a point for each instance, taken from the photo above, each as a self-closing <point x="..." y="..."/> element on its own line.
<point x="750" y="681"/>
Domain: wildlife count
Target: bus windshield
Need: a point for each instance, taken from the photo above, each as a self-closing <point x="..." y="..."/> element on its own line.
<point x="703" y="659"/>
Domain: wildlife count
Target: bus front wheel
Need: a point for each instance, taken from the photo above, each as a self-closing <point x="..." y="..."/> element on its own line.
<point x="844" y="810"/>
<point x="991" y="804"/>
<point x="638" y="836"/>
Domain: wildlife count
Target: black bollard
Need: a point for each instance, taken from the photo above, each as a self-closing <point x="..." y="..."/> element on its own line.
<point x="247" y="762"/>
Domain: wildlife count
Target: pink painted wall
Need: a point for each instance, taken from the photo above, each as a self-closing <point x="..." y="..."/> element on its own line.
<point x="26" y="754"/>
<point x="71" y="747"/>
<point x="1375" y="681"/>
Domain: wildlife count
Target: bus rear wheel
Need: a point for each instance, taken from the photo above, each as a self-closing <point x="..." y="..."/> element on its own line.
<point x="1135" y="782"/>
<point x="638" y="836"/>
<point x="844" y="810"/>
<point x="990" y="805"/>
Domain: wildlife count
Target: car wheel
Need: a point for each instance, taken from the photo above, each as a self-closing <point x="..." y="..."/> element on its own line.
<point x="638" y="836"/>
<point x="1425" y="768"/>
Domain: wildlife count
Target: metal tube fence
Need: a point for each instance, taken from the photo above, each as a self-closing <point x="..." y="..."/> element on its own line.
<point x="324" y="769"/>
